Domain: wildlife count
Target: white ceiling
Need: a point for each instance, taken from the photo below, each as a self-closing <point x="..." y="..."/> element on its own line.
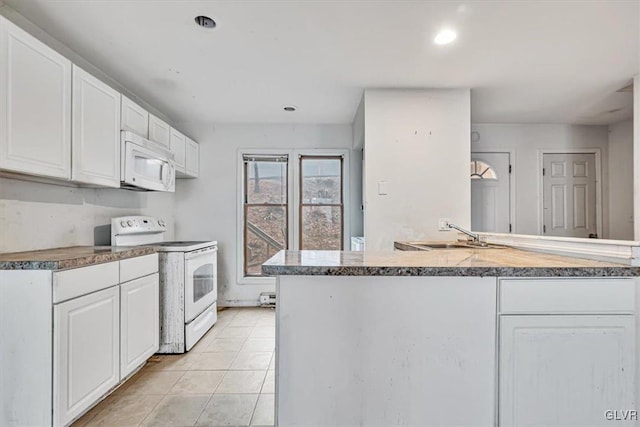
<point x="525" y="61"/>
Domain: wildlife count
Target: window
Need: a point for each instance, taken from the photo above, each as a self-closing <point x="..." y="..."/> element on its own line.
<point x="321" y="208"/>
<point x="265" y="209"/>
<point x="481" y="170"/>
<point x="286" y="204"/>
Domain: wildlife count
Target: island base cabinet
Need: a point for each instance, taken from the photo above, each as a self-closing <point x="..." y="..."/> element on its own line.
<point x="140" y="327"/>
<point x="86" y="353"/>
<point x="385" y="351"/>
<point x="566" y="370"/>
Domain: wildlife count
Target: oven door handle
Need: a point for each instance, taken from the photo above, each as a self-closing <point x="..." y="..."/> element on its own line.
<point x="203" y="253"/>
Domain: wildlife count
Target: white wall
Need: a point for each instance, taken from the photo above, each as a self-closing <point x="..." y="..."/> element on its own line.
<point x="527" y="140"/>
<point x="417" y="141"/>
<point x="357" y="205"/>
<point x="206" y="208"/>
<point x="39" y="216"/>
<point x="621" y="180"/>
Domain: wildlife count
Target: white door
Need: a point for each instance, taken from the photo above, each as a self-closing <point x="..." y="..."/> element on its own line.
<point x="565" y="370"/>
<point x="490" y="192"/>
<point x="96" y="131"/>
<point x="35" y="105"/>
<point x="569" y="195"/>
<point x="86" y="352"/>
<point x="140" y="322"/>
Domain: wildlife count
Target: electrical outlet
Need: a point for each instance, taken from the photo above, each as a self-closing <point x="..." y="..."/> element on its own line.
<point x="443" y="224"/>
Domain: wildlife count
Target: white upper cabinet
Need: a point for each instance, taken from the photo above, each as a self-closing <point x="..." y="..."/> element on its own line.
<point x="95" y="132"/>
<point x="134" y="118"/>
<point x="159" y="131"/>
<point x="35" y="105"/>
<point x="192" y="158"/>
<point x="177" y="146"/>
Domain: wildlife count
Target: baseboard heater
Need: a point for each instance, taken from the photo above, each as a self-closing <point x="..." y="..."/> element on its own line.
<point x="267" y="299"/>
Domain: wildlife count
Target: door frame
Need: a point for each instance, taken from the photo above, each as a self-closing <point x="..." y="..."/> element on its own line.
<point x="598" y="156"/>
<point x="512" y="180"/>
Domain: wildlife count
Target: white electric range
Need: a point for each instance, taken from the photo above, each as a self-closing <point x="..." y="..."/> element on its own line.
<point x="188" y="280"/>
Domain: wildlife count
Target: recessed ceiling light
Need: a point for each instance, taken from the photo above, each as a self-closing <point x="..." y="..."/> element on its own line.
<point x="445" y="36"/>
<point x="205" y="22"/>
<point x="290" y="108"/>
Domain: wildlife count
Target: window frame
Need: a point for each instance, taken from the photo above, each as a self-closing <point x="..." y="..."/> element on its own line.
<point x="302" y="205"/>
<point x="293" y="198"/>
<point x="246" y="206"/>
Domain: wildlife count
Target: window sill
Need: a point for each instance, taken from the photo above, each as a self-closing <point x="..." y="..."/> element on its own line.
<point x="253" y="280"/>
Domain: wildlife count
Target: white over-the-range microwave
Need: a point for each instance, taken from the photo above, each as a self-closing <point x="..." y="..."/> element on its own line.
<point x="145" y="165"/>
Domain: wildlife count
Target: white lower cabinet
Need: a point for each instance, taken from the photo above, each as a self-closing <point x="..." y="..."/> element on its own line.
<point x="86" y="352"/>
<point x="565" y="370"/>
<point x="140" y="327"/>
<point x="567" y="351"/>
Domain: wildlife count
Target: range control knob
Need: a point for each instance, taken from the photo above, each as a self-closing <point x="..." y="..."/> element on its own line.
<point x="130" y="223"/>
<point x="123" y="224"/>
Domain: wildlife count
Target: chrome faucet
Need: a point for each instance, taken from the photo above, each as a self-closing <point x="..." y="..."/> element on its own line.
<point x="474" y="236"/>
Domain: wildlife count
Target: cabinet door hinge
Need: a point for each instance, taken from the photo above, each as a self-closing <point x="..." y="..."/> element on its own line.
<point x="510" y="228"/>
<point x="509" y="168"/>
<point x="544" y="228"/>
<point x="543" y="171"/>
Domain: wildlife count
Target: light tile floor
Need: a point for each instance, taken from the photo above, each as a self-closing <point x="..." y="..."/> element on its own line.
<point x="227" y="379"/>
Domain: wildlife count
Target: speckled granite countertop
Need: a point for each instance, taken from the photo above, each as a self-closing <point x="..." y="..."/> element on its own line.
<point x="70" y="257"/>
<point x="440" y="262"/>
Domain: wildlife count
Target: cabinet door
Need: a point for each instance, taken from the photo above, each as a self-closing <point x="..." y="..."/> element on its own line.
<point x="140" y="328"/>
<point x="178" y="143"/>
<point x="134" y="118"/>
<point x="35" y="105"/>
<point x="159" y="131"/>
<point x="86" y="352"/>
<point x="95" y="134"/>
<point x="192" y="158"/>
<point x="565" y="370"/>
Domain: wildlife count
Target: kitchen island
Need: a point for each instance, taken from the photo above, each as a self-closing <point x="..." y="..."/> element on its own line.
<point x="473" y="337"/>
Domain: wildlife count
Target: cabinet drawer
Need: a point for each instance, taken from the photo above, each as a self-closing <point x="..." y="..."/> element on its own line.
<point x="73" y="283"/>
<point x="133" y="268"/>
<point x="570" y="295"/>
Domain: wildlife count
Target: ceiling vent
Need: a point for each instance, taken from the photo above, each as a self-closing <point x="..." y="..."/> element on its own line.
<point x="205" y="22"/>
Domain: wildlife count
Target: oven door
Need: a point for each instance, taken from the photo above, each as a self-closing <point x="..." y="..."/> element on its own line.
<point x="201" y="277"/>
<point x="145" y="168"/>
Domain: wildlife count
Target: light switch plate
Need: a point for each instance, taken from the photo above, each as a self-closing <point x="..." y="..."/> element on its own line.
<point x="383" y="188"/>
<point x="443" y="224"/>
